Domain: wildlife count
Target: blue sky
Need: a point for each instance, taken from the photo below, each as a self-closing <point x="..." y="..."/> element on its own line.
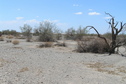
<point x="64" y="13"/>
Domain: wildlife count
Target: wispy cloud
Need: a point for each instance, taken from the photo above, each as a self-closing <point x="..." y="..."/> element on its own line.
<point x="34" y="21"/>
<point x="78" y="13"/>
<point x="16" y="24"/>
<point x="19" y="18"/>
<point x="37" y="16"/>
<point x="90" y="9"/>
<point x="18" y="9"/>
<point x="93" y="13"/>
<point x="107" y="17"/>
<point x="76" y="5"/>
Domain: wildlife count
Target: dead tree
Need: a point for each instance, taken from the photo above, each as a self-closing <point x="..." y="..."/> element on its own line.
<point x="114" y="33"/>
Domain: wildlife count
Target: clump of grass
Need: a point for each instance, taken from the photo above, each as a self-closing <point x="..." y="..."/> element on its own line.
<point x="122" y="69"/>
<point x="2" y="62"/>
<point x="15" y="42"/>
<point x="96" y="65"/>
<point x="101" y="68"/>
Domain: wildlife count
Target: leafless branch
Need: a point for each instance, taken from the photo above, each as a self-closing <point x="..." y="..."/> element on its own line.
<point x="91" y="27"/>
<point x="109" y="14"/>
<point x="116" y="24"/>
<point x="121" y="26"/>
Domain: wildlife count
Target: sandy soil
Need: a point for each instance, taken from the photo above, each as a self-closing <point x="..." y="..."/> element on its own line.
<point x="27" y="64"/>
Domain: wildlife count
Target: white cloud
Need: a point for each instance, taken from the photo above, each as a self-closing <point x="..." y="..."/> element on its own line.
<point x="90" y="9"/>
<point x="75" y="5"/>
<point x="19" y="18"/>
<point x="52" y="21"/>
<point x="78" y="13"/>
<point x="16" y="24"/>
<point x="31" y="21"/>
<point x="107" y="17"/>
<point x="93" y="13"/>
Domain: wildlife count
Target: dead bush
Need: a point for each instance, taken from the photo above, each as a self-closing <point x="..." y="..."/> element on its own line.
<point x="63" y="44"/>
<point x="94" y="45"/>
<point x="10" y="37"/>
<point x="15" y="42"/>
<point x="46" y="44"/>
<point x="1" y="38"/>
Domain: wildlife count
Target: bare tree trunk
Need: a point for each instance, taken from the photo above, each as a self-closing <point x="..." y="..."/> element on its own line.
<point x="114" y="31"/>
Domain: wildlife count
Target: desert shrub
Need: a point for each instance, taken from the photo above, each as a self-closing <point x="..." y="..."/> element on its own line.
<point x="94" y="45"/>
<point x="80" y="32"/>
<point x="70" y="34"/>
<point x="63" y="44"/>
<point x="10" y="32"/>
<point x="1" y="38"/>
<point x="58" y="34"/>
<point x="41" y="45"/>
<point x="15" y="42"/>
<point x="46" y="44"/>
<point x="9" y="36"/>
<point x="73" y="34"/>
<point x="26" y="31"/>
<point x="45" y="31"/>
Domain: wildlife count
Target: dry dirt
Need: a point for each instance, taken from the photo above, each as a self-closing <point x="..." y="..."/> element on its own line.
<point x="27" y="64"/>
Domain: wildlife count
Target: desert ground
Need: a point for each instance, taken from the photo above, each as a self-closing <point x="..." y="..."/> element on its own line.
<point x="25" y="63"/>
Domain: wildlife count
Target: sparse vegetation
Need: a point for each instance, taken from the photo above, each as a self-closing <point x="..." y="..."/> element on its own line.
<point x="47" y="32"/>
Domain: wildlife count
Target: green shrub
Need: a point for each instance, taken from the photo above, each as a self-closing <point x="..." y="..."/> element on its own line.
<point x="45" y="31"/>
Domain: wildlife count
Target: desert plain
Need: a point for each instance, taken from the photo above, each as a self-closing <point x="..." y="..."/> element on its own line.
<point x="25" y="63"/>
